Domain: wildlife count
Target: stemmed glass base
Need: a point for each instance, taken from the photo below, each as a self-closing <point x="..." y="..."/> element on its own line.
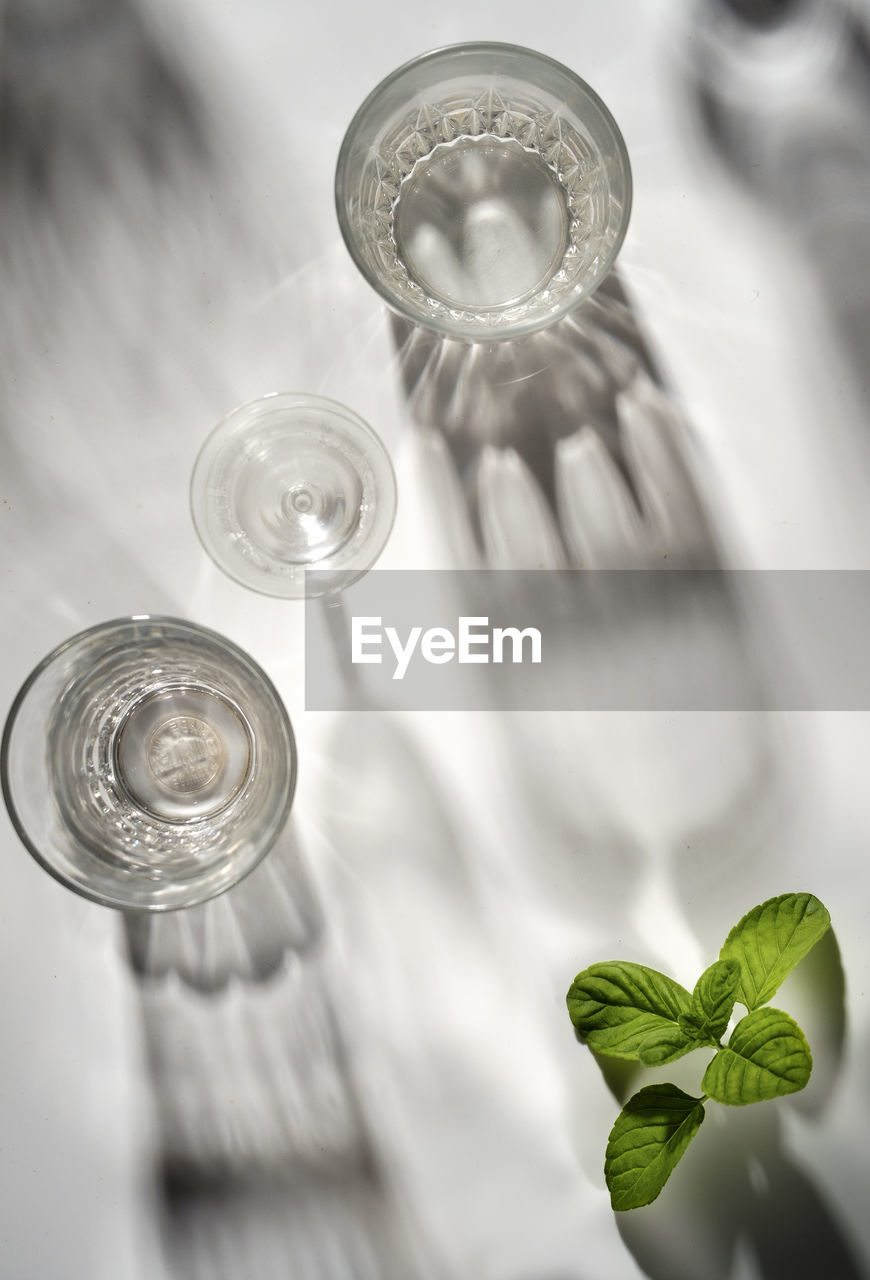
<point x="290" y="483"/>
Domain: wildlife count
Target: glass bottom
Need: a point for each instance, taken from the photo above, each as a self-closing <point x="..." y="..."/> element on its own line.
<point x="182" y="753"/>
<point x="298" y="494"/>
<point x="292" y="482"/>
<point x="481" y="222"/>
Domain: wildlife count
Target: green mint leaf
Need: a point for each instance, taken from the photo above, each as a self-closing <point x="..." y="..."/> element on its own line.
<point x="712" y="1001"/>
<point x="766" y="1057"/>
<point x="770" y="940"/>
<point x="630" y="1011"/>
<point x="650" y="1135"/>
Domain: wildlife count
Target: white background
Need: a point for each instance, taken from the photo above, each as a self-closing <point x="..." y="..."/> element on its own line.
<point x="139" y="340"/>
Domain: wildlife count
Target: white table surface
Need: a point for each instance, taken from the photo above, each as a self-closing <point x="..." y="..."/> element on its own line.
<point x="143" y="339"/>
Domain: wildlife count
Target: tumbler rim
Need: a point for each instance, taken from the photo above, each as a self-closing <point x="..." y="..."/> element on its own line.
<point x="436" y="323"/>
<point x="117" y="624"/>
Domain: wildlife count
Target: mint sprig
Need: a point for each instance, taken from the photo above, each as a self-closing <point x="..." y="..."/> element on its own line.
<point x="627" y="1010"/>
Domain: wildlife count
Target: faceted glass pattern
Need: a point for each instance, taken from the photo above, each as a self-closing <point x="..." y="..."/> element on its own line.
<point x="527" y="223"/>
<point x="148" y="764"/>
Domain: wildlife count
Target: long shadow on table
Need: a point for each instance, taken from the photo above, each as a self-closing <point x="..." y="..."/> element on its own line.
<point x="565" y="450"/>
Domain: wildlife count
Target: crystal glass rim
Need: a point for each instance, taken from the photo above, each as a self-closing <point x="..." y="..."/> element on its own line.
<point x="269" y="401"/>
<point x="445" y="328"/>
<point x="155" y="619"/>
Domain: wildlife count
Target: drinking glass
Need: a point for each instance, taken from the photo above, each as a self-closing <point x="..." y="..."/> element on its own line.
<point x="290" y="483"/>
<point x="483" y="190"/>
<point x="148" y="763"/>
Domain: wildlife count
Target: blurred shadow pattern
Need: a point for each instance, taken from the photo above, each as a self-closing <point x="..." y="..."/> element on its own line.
<point x="565" y="399"/>
<point x="742" y="1197"/>
<point x="267" y="1163"/>
<point x="782" y="92"/>
<point x="120" y="219"/>
<point x="452" y="1042"/>
<point x="245" y="935"/>
<point x="125" y="255"/>
<point x="104" y="148"/>
<point x="117" y="211"/>
<point x="564" y="449"/>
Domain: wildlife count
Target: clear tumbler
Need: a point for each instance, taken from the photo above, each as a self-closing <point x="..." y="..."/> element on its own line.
<point x="483" y="190"/>
<point x="148" y="763"/>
